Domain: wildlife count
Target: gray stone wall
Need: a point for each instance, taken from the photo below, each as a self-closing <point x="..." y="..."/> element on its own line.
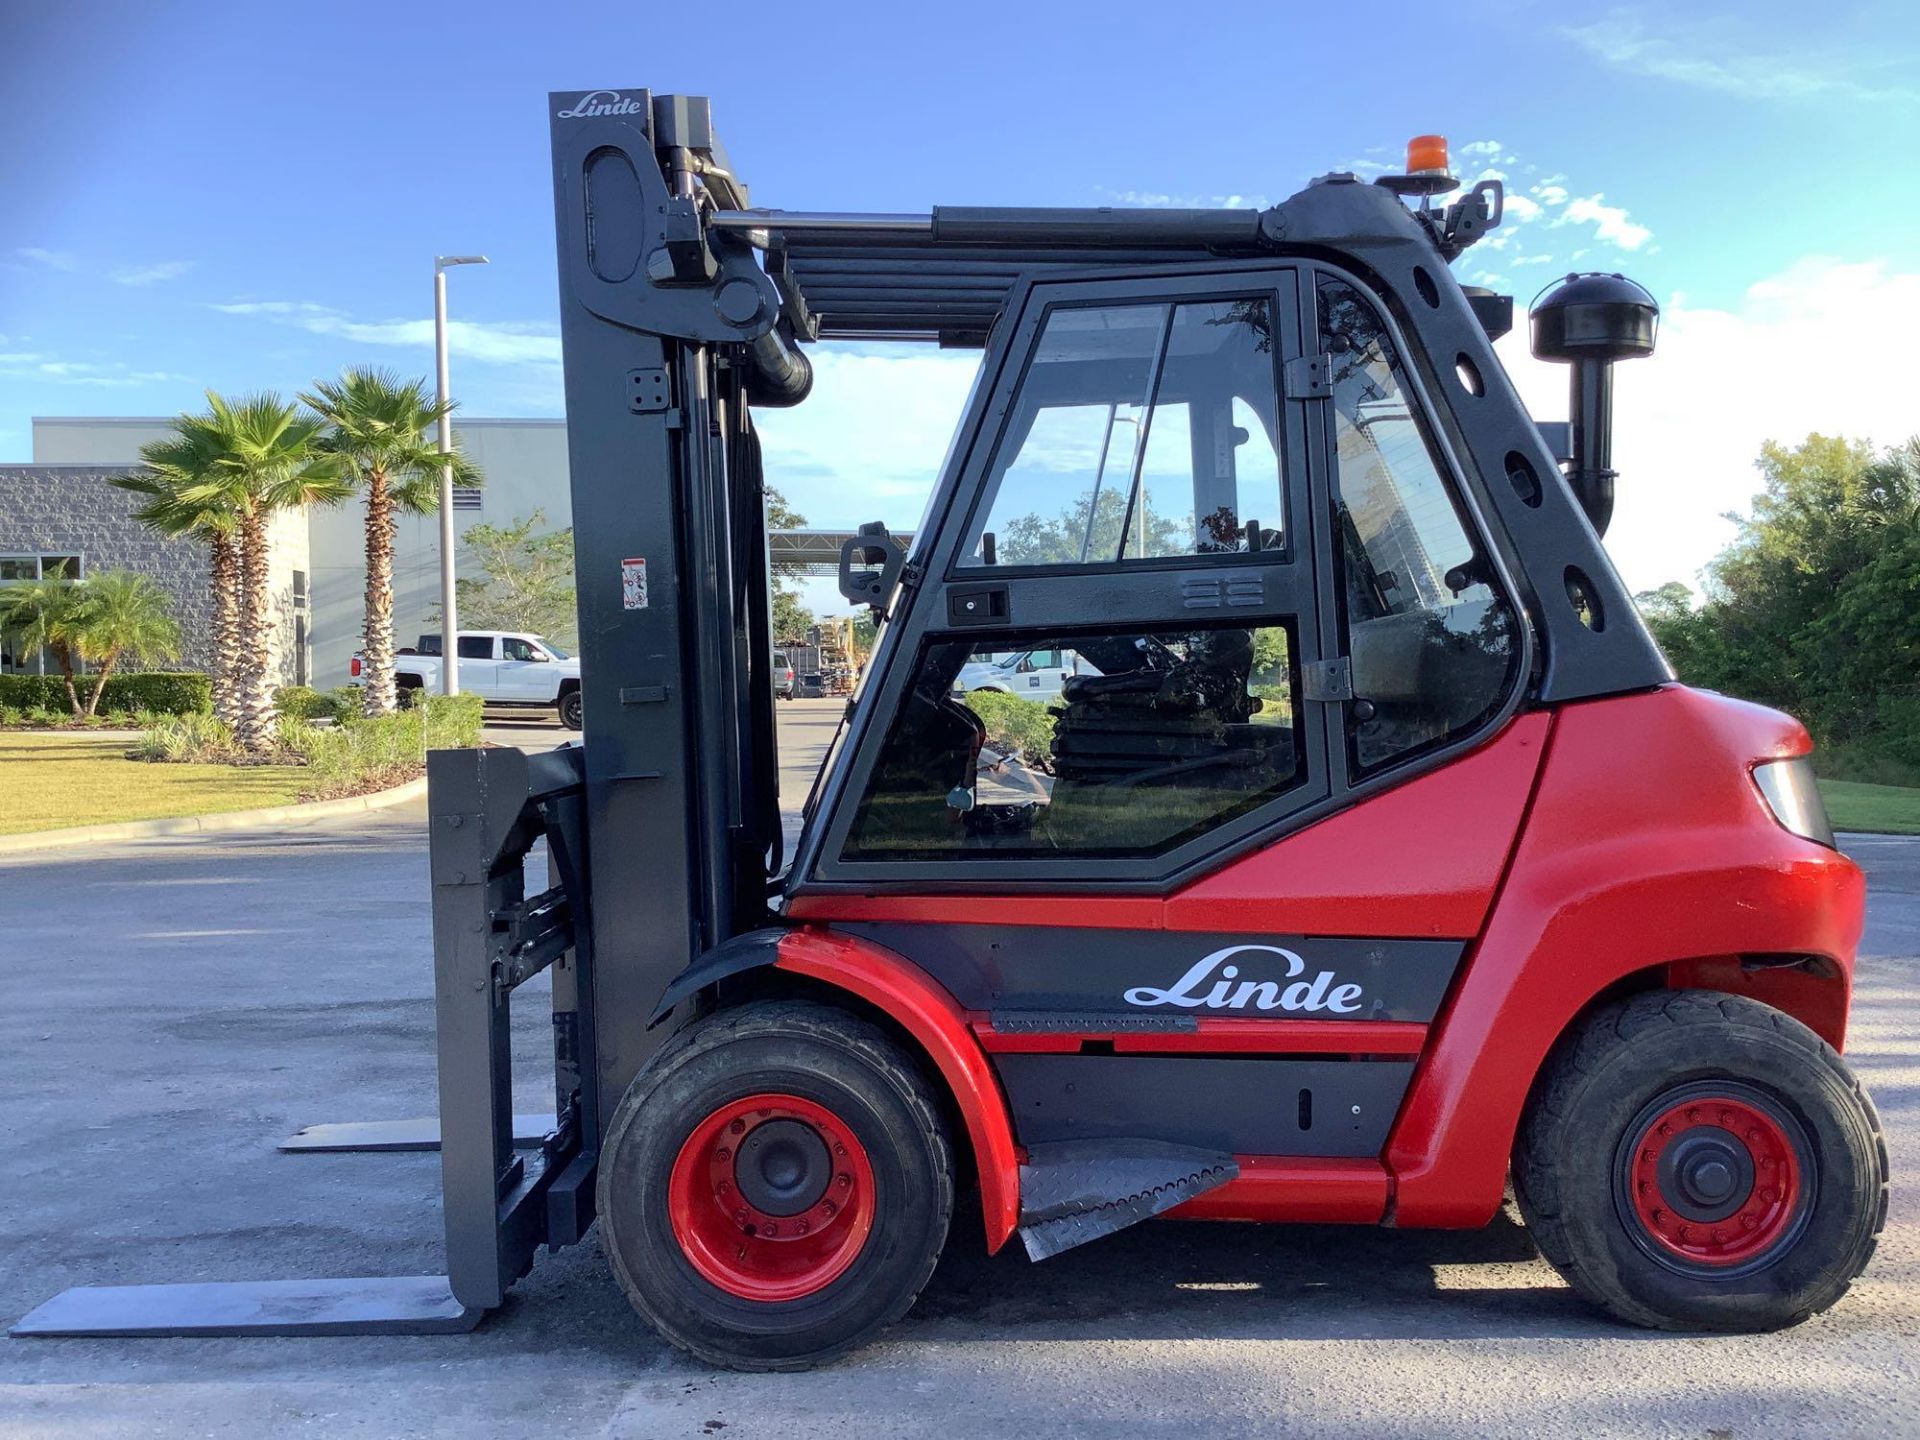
<point x="72" y="510"/>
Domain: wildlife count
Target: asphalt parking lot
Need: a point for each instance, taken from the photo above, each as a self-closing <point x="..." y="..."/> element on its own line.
<point x="176" y="1007"/>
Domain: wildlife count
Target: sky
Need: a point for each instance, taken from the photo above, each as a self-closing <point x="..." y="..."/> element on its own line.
<point x="246" y="196"/>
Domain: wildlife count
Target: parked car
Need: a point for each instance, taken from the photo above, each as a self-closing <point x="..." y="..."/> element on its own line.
<point x="1036" y="674"/>
<point x="503" y="668"/>
<point x="783" y="676"/>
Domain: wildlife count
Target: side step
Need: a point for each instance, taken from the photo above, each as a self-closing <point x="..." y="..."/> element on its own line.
<point x="381" y="1305"/>
<point x="393" y="1135"/>
<point x="1073" y="1191"/>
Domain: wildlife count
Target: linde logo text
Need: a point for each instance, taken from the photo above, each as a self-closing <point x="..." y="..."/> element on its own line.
<point x="601" y="102"/>
<point x="1228" y="992"/>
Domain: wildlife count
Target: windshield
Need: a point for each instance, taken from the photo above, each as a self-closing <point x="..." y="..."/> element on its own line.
<point x="555" y="651"/>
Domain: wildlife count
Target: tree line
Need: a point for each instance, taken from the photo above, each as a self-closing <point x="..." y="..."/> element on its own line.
<point x="1814" y="608"/>
<point x="222" y="475"/>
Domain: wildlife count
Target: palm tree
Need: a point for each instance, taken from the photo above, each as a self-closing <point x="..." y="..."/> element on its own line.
<point x="381" y="428"/>
<point x="184" y="462"/>
<point x="265" y="458"/>
<point x="121" y="614"/>
<point x="45" y="612"/>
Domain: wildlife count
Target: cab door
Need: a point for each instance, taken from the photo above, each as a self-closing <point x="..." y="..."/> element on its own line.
<point x="477" y="658"/>
<point x="1138" y="499"/>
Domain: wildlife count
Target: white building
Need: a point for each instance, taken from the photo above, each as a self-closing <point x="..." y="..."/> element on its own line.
<point x="61" y="501"/>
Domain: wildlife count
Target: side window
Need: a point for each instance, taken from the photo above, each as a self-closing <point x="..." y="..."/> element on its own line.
<point x="475" y="647"/>
<point x="517" y="649"/>
<point x="1157" y="736"/>
<point x="1434" y="645"/>
<point x="1141" y="431"/>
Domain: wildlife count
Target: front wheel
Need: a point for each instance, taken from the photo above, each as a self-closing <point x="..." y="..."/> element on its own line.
<point x="775" y="1186"/>
<point x="1698" y="1161"/>
<point x="570" y="711"/>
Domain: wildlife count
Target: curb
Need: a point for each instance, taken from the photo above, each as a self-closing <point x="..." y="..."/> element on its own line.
<point x="220" y="821"/>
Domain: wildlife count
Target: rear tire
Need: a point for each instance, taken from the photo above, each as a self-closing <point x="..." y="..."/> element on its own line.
<point x="775" y="1186"/>
<point x="570" y="710"/>
<point x="1699" y="1161"/>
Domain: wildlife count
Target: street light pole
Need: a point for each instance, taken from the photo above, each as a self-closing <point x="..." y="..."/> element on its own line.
<point x="449" y="593"/>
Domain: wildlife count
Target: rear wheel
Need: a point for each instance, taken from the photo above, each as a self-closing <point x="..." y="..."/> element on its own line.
<point x="1700" y="1161"/>
<point x="776" y="1186"/>
<point x="570" y="712"/>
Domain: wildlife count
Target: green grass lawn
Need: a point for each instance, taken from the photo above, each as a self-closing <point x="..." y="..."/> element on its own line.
<point x="64" y="778"/>
<point x="1888" y="809"/>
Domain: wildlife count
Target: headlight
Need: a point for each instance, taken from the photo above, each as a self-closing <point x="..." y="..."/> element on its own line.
<point x="1789" y="790"/>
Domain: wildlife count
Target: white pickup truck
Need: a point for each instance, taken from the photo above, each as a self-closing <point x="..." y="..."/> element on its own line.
<point x="503" y="668"/>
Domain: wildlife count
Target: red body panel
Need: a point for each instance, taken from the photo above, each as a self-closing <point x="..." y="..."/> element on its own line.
<point x="1304" y="1190"/>
<point x="929" y="1014"/>
<point x="1420" y="860"/>
<point x="1647" y="845"/>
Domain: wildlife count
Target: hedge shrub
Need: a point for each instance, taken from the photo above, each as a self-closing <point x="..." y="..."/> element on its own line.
<point x="303" y="702"/>
<point x="162" y="692"/>
<point x="1015" y="725"/>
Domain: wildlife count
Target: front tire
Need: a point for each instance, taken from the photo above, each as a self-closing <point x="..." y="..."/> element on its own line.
<point x="1699" y="1161"/>
<point x="775" y="1186"/>
<point x="570" y="710"/>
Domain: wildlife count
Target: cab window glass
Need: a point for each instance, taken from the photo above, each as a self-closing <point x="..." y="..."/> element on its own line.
<point x="520" y="649"/>
<point x="1141" y="431"/>
<point x="1136" y="742"/>
<point x="1434" y="646"/>
<point x="475" y="647"/>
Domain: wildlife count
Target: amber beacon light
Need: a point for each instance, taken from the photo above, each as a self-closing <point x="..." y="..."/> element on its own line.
<point x="1427" y="155"/>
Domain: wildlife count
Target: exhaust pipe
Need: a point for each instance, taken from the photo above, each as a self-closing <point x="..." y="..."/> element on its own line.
<point x="1589" y="321"/>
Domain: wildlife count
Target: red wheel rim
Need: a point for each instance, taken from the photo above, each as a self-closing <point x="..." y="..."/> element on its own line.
<point x="1715" y="1180"/>
<point x="753" y="1210"/>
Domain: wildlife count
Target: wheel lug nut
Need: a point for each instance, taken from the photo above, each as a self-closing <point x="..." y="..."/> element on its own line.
<point x="843" y="1181"/>
<point x="1748" y="1222"/>
<point x="801" y="1228"/>
<point x="839" y="1149"/>
<point x="738" y="1127"/>
<point x="726" y="1187"/>
<point x="1753" y="1137"/>
<point x="829" y="1209"/>
<point x="740" y="1217"/>
<point x="723" y="1153"/>
<point x="770" y="1229"/>
<point x="1666" y="1129"/>
<point x="1770" y="1194"/>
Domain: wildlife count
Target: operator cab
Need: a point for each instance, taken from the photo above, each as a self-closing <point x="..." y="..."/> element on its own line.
<point x="1236" y="470"/>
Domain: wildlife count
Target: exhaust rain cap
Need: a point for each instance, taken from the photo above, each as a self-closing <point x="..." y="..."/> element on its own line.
<point x="1594" y="317"/>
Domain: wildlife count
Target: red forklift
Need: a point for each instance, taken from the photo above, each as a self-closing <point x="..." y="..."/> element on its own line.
<point x="1368" y="855"/>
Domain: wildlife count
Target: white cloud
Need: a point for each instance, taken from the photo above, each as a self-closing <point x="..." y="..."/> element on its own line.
<point x="1689" y="422"/>
<point x="150" y="274"/>
<point x="1712" y="55"/>
<point x="1521" y="208"/>
<point x="52" y="259"/>
<point x="1551" y="192"/>
<point x="1161" y="200"/>
<point x="1610" y="222"/>
<point x="49" y="369"/>
<point x="490" y="342"/>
